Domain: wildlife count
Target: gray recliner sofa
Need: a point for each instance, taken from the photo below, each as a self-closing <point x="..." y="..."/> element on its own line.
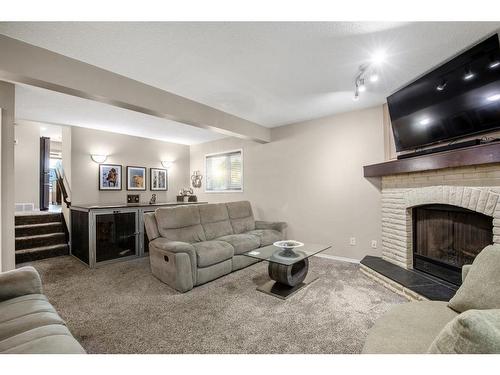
<point x="28" y="322"/>
<point x="192" y="245"/>
<point x="410" y="328"/>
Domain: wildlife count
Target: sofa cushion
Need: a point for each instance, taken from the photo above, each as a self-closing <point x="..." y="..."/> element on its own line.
<point x="215" y="220"/>
<point x="241" y="242"/>
<point x="180" y="223"/>
<point x="481" y="287"/>
<point x="212" y="252"/>
<point x="408" y="328"/>
<point x="266" y="236"/>
<point x="48" y="339"/>
<point x="24" y="313"/>
<point x="472" y="332"/>
<point x="241" y="216"/>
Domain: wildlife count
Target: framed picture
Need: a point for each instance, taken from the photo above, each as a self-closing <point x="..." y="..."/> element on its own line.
<point x="136" y="178"/>
<point x="158" y="179"/>
<point x="110" y="177"/>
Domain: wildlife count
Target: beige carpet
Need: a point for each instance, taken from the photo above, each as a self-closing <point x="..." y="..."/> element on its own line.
<point x="122" y="308"/>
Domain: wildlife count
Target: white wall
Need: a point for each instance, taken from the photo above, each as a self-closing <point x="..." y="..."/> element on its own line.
<point x="7" y="100"/>
<point x="311" y="176"/>
<point x="124" y="150"/>
<point x="27" y="163"/>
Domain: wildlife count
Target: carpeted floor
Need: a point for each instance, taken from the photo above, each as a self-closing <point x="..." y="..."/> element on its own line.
<point x="122" y="308"/>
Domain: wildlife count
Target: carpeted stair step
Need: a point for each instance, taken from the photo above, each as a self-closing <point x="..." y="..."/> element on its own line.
<point x="38" y="219"/>
<point x="40" y="240"/>
<point x="36" y="229"/>
<point x="37" y="253"/>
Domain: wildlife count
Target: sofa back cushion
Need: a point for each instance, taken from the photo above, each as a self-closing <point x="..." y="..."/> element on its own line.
<point x="215" y="220"/>
<point x="180" y="223"/>
<point x="241" y="216"/>
<point x="481" y="288"/>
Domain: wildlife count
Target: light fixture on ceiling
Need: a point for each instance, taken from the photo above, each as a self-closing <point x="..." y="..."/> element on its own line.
<point x="98" y="158"/>
<point x="493" y="98"/>
<point x="361" y="86"/>
<point x="468" y="74"/>
<point x="442" y="85"/>
<point x="167" y="164"/>
<point x="379" y="57"/>
<point x="368" y="71"/>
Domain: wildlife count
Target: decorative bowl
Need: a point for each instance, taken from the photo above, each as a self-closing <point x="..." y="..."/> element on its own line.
<point x="288" y="246"/>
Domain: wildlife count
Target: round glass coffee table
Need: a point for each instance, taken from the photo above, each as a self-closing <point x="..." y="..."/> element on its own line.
<point x="288" y="268"/>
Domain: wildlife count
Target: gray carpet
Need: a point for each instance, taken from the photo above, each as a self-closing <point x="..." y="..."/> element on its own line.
<point x="122" y="308"/>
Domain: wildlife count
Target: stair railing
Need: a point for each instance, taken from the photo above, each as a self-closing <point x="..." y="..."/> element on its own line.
<point x="62" y="182"/>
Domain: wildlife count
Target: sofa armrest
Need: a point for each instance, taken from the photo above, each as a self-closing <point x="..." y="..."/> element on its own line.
<point x="19" y="282"/>
<point x="151" y="225"/>
<point x="182" y="259"/>
<point x="280" y="226"/>
<point x="465" y="271"/>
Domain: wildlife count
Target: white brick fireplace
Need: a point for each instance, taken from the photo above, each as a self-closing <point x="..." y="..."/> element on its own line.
<point x="476" y="188"/>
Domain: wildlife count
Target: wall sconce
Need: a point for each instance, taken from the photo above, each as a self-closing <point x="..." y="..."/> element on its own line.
<point x="167" y="164"/>
<point x="98" y="158"/>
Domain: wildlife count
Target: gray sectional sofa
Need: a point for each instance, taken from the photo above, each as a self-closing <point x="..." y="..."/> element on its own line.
<point x="28" y="322"/>
<point x="192" y="245"/>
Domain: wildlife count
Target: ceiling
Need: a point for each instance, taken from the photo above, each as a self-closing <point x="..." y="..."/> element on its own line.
<point x="35" y="104"/>
<point x="270" y="73"/>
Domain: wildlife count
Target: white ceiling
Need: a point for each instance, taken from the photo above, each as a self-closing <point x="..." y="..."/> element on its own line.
<point x="41" y="105"/>
<point x="270" y="73"/>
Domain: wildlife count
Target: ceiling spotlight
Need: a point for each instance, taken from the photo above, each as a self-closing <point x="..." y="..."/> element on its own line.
<point x="442" y="85"/>
<point x="361" y="86"/>
<point x="374" y="77"/>
<point x="493" y="98"/>
<point x="468" y="74"/>
<point x="378" y="57"/>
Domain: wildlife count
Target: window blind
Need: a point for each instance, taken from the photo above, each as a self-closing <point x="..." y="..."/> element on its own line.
<point x="224" y="171"/>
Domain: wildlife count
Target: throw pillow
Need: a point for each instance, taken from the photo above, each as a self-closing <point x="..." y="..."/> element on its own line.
<point x="481" y="288"/>
<point x="472" y="332"/>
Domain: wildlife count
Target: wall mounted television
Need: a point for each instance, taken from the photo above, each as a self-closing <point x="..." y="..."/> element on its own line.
<point x="458" y="99"/>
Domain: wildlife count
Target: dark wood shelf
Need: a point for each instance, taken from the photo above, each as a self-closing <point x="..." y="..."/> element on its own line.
<point x="482" y="154"/>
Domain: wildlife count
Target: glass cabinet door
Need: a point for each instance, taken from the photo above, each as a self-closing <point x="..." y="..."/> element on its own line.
<point x="116" y="235"/>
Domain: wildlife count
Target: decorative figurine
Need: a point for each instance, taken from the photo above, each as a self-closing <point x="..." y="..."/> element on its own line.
<point x="196" y="179"/>
<point x="153" y="199"/>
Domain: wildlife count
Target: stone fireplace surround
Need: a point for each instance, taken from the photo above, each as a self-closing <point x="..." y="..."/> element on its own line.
<point x="476" y="188"/>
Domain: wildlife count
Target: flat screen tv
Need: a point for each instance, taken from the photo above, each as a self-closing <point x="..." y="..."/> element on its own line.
<point x="458" y="99"/>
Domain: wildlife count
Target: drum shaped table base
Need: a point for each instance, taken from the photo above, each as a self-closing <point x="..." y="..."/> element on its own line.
<point x="287" y="279"/>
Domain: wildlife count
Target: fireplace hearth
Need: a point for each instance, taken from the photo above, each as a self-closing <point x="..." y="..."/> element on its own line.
<point x="446" y="237"/>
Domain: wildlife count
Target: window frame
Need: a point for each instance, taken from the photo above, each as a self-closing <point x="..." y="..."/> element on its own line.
<point x="206" y="174"/>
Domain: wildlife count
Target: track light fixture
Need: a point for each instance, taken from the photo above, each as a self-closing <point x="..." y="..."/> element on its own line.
<point x="368" y="71"/>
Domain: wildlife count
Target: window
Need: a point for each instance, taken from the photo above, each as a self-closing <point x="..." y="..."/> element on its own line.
<point x="224" y="172"/>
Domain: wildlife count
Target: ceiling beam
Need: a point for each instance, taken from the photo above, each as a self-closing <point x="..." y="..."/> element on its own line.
<point x="28" y="64"/>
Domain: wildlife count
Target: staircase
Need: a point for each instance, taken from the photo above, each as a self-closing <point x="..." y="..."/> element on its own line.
<point x="40" y="236"/>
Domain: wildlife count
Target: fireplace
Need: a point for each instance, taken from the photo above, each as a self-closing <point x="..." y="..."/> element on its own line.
<point x="446" y="237"/>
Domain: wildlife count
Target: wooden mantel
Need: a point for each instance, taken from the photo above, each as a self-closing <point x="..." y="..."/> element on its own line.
<point x="482" y="154"/>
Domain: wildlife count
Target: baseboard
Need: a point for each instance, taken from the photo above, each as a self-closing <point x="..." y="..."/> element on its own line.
<point x="334" y="257"/>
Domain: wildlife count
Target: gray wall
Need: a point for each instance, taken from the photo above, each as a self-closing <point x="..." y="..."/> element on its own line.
<point x="124" y="150"/>
<point x="27" y="163"/>
<point x="311" y="175"/>
<point x="7" y="100"/>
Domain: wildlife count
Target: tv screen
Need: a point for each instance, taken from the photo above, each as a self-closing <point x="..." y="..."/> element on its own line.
<point x="458" y="99"/>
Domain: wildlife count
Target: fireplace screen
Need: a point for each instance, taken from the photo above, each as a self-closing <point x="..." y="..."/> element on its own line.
<point x="447" y="237"/>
